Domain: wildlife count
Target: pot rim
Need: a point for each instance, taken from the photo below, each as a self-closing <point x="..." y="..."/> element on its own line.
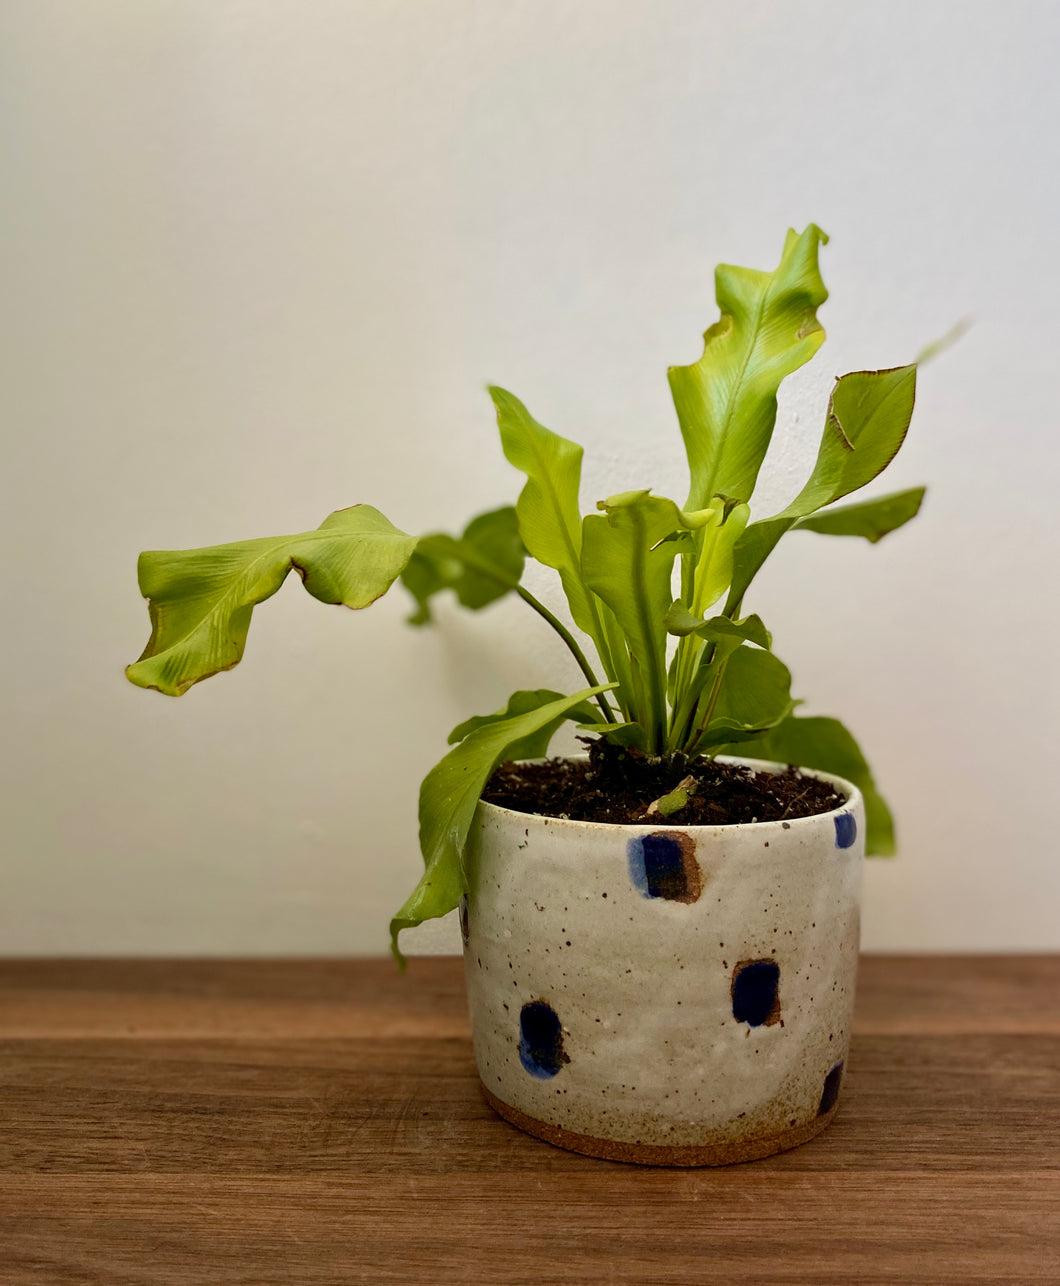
<point x="853" y="800"/>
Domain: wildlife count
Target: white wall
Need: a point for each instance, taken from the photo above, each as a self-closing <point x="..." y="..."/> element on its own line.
<point x="259" y="261"/>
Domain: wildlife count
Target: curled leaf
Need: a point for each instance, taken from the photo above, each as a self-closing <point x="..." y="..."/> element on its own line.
<point x="719" y="629"/>
<point x="201" y="600"/>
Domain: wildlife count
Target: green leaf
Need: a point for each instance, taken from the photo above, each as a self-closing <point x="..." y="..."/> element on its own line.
<point x="626" y="562"/>
<point x="674" y="802"/>
<point x="680" y="621"/>
<point x="727" y="401"/>
<point x="449" y="796"/>
<point x="493" y="555"/>
<point x="868" y="418"/>
<point x="523" y="702"/>
<point x="719" y="629"/>
<point x="481" y="566"/>
<point x="872" y="519"/>
<point x="938" y="346"/>
<point x="685" y="535"/>
<point x="429" y="571"/>
<point x="825" y="744"/>
<point x="618" y="734"/>
<point x="725" y="636"/>
<point x="547" y="508"/>
<point x="550" y="524"/>
<point x="201" y="600"/>
<point x="711" y="564"/>
<point x="755" y="695"/>
<point x="706" y="573"/>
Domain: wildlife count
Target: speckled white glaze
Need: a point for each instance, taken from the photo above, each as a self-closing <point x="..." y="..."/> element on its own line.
<point x="656" y="1049"/>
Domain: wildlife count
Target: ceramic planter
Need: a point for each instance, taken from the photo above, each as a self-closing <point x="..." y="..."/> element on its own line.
<point x="664" y="994"/>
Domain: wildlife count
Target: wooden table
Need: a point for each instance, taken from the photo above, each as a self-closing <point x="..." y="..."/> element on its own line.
<point x="320" y="1122"/>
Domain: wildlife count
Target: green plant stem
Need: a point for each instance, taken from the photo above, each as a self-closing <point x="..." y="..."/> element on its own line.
<point x="712" y="702"/>
<point x="686" y="704"/>
<point x="686" y="657"/>
<point x="692" y="654"/>
<point x="731" y="611"/>
<point x="485" y="569"/>
<point x="572" y="645"/>
<point x="600" y="636"/>
<point x="616" y="660"/>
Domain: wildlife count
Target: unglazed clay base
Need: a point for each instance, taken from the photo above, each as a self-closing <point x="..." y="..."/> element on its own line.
<point x="659" y="1154"/>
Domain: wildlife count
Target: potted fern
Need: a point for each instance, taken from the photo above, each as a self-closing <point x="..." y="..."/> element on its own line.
<point x="660" y="935"/>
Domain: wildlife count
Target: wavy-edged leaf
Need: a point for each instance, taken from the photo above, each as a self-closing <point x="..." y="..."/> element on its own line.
<point x="680" y="622"/>
<point x="719" y="629"/>
<point x="547" y="508"/>
<point x="872" y="519"/>
<point x="825" y="744"/>
<point x="868" y="418"/>
<point x="755" y="695"/>
<point x="201" y="600"/>
<point x="481" y="566"/>
<point x="727" y="401"/>
<point x="523" y="702"/>
<point x="750" y="629"/>
<point x="449" y="796"/>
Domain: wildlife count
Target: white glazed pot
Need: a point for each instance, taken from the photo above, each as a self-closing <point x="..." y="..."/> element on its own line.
<point x="664" y="994"/>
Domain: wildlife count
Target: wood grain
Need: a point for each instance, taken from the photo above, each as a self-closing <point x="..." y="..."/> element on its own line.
<point x="288" y="1122"/>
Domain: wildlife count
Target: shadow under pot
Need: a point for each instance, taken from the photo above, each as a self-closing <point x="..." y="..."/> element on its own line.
<point x="661" y="994"/>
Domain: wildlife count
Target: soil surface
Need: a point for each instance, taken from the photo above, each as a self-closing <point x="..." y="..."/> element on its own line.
<point x="619" y="785"/>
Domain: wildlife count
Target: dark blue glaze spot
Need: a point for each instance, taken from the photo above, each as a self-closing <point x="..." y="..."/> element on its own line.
<point x="846" y="830"/>
<point x="831" y="1089"/>
<point x="664" y="865"/>
<point x="465" y="931"/>
<point x="754" y="992"/>
<point x="541" y="1040"/>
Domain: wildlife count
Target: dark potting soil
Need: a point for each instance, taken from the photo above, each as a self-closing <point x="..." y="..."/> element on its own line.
<point x="620" y="785"/>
